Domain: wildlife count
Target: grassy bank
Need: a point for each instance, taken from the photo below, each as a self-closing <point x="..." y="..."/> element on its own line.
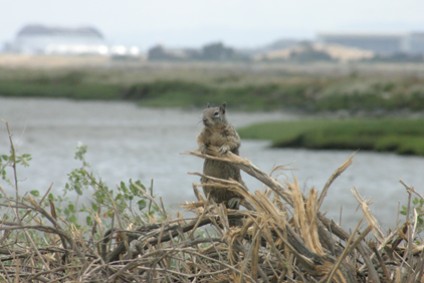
<point x="311" y="88"/>
<point x="402" y="136"/>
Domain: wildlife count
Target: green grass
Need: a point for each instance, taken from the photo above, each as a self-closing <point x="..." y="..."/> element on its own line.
<point x="311" y="88"/>
<point x="59" y="88"/>
<point x="402" y="136"/>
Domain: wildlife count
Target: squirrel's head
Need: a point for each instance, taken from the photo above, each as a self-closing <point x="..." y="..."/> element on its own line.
<point x="214" y="116"/>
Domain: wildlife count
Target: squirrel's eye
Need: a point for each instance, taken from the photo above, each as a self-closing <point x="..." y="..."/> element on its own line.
<point x="216" y="114"/>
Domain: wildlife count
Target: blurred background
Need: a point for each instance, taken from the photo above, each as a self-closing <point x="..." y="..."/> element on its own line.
<point x="129" y="79"/>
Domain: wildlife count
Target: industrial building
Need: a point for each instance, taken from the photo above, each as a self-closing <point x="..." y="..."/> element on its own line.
<point x="381" y="44"/>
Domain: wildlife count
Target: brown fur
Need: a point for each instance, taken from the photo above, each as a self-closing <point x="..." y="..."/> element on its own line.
<point x="219" y="133"/>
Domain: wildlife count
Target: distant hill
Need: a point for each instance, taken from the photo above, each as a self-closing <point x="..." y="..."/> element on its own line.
<point x="281" y="44"/>
<point x="307" y="51"/>
<point x="275" y="45"/>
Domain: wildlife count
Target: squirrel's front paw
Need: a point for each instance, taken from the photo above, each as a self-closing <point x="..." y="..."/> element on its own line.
<point x="203" y="149"/>
<point x="224" y="149"/>
<point x="234" y="203"/>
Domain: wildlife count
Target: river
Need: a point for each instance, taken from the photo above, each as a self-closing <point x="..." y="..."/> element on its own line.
<point x="126" y="141"/>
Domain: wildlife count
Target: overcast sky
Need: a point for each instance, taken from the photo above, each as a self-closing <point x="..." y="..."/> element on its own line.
<point x="239" y="23"/>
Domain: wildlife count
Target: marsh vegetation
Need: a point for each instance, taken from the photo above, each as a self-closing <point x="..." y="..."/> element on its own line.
<point x="313" y="88"/>
<point x="402" y="136"/>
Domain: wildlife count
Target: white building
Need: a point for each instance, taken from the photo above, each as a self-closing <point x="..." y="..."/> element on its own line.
<point x="43" y="40"/>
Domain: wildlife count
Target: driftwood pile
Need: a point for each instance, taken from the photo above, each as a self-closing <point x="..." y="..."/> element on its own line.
<point x="281" y="236"/>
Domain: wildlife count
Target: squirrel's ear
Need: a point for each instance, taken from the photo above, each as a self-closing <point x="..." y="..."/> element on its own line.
<point x="208" y="105"/>
<point x="222" y="107"/>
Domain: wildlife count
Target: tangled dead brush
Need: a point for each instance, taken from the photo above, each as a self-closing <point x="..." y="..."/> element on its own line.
<point x="282" y="237"/>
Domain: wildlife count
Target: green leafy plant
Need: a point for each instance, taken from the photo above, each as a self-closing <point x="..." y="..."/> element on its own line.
<point x="11" y="160"/>
<point x="130" y="202"/>
<point x="418" y="207"/>
<point x="87" y="202"/>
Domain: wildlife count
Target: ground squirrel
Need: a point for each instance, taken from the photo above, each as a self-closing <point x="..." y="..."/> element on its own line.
<point x="220" y="134"/>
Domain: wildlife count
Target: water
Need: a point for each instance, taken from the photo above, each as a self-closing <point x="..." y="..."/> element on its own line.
<point x="125" y="141"/>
